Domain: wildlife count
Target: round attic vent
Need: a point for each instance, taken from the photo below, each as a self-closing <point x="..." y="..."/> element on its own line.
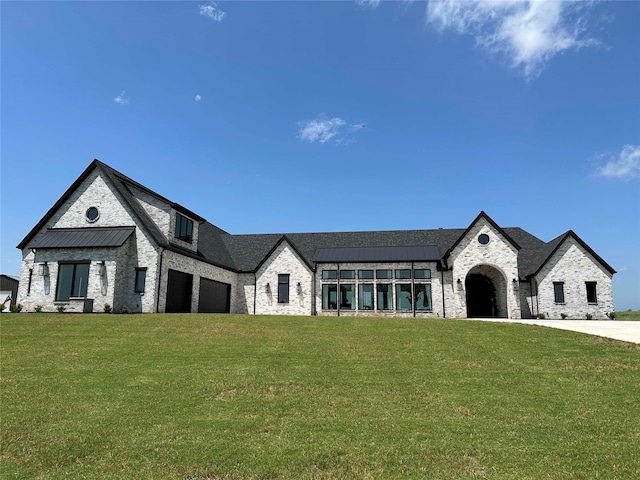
<point x="92" y="214"/>
<point x="483" y="238"/>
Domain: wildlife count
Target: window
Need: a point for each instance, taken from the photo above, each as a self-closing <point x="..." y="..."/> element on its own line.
<point x="329" y="274"/>
<point x="384" y="274"/>
<point x="403" y="296"/>
<point x="329" y="297"/>
<point x="346" y="297"/>
<point x="403" y="273"/>
<point x="365" y="274"/>
<point x="385" y="297"/>
<point x="365" y="296"/>
<point x="558" y="292"/>
<point x="184" y="228"/>
<point x="283" y="288"/>
<point x="423" y="296"/>
<point x="483" y="238"/>
<point x="92" y="214"/>
<point x="422" y="273"/>
<point x="73" y="279"/>
<point x="141" y="276"/>
<point x="347" y="274"/>
<point x="592" y="296"/>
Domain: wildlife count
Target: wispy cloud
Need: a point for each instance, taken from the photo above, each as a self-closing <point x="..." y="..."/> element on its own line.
<point x="528" y="33"/>
<point x="624" y="166"/>
<point x="198" y="98"/>
<point x="368" y="3"/>
<point x="121" y="99"/>
<point x="322" y="129"/>
<point x="213" y="12"/>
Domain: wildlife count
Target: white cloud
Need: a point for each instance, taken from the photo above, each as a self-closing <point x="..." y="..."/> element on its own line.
<point x="368" y="3"/>
<point x="121" y="99"/>
<point x="198" y="98"/>
<point x="527" y="32"/>
<point x="322" y="129"/>
<point x="625" y="166"/>
<point x="213" y="12"/>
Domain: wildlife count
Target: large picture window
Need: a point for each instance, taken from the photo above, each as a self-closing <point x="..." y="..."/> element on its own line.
<point x="141" y="276"/>
<point x="73" y="279"/>
<point x="184" y="228"/>
<point x="403" y="296"/>
<point x="330" y="296"/>
<point x="365" y="296"/>
<point x="558" y="292"/>
<point x="423" y="296"/>
<point x="283" y="288"/>
<point x="347" y="300"/>
<point x="385" y="296"/>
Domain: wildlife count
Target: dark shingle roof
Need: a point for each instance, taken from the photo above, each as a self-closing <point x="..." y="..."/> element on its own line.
<point x="423" y="253"/>
<point x="82" y="237"/>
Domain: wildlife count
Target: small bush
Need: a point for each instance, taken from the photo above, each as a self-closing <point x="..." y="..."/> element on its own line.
<point x="16" y="308"/>
<point x="107" y="308"/>
<point x="60" y="308"/>
<point x="541" y="316"/>
<point x="125" y="309"/>
<point x="611" y="315"/>
<point x="38" y="308"/>
<point x="2" y="307"/>
<point x="563" y="315"/>
<point x="588" y="316"/>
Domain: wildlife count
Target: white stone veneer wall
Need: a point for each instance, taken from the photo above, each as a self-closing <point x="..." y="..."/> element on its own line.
<point x="574" y="266"/>
<point x="499" y="253"/>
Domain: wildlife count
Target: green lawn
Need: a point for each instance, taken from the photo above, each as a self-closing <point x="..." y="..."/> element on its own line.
<point x="628" y="315"/>
<point x="240" y="397"/>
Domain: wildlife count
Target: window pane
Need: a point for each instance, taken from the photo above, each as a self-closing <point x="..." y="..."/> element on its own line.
<point x="403" y="273"/>
<point x="383" y="274"/>
<point x="558" y="292"/>
<point x="365" y="296"/>
<point x="365" y="274"/>
<point x="184" y="228"/>
<point x="346" y="297"/>
<point x="329" y="297"/>
<point x="384" y="296"/>
<point x="141" y="275"/>
<point x="348" y="274"/>
<point x="283" y="288"/>
<point x="329" y="274"/>
<point x="403" y="296"/>
<point x="80" y="280"/>
<point x="65" y="279"/>
<point x="422" y="273"/>
<point x="592" y="296"/>
<point x="423" y="296"/>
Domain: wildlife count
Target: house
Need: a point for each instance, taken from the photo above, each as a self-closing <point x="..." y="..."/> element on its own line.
<point x="110" y="240"/>
<point x="8" y="290"/>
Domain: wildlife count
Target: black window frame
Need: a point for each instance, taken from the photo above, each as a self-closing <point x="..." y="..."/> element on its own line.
<point x="283" y="288"/>
<point x="427" y="273"/>
<point x="141" y="276"/>
<point x="361" y="294"/>
<point x="558" y="292"/>
<point x="366" y="274"/>
<point x="384" y="274"/>
<point x="592" y="292"/>
<point x="327" y="288"/>
<point x="380" y="305"/>
<point x="347" y="275"/>
<point x="80" y="290"/>
<point x="403" y="273"/>
<point x="329" y="274"/>
<point x="184" y="228"/>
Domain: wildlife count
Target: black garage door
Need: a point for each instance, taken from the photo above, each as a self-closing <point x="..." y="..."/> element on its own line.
<point x="179" y="287"/>
<point x="214" y="296"/>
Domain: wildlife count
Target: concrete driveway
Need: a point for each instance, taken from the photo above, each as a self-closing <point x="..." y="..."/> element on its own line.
<point x="627" y="331"/>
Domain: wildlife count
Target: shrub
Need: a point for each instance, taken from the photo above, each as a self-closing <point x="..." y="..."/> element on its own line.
<point x="541" y="316"/>
<point x="38" y="308"/>
<point x="2" y="307"/>
<point x="16" y="308"/>
<point x="563" y="315"/>
<point x="588" y="316"/>
<point x="60" y="308"/>
<point x="107" y="308"/>
<point x="611" y="315"/>
<point x="125" y="309"/>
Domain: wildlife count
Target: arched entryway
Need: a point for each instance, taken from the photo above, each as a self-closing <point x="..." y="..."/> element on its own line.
<point x="486" y="293"/>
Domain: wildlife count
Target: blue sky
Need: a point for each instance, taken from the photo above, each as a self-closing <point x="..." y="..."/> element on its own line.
<point x="334" y="116"/>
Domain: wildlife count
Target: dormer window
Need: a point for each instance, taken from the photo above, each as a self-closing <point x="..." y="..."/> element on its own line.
<point x="184" y="228"/>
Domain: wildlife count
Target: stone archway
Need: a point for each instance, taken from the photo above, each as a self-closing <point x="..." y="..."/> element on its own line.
<point x="486" y="293"/>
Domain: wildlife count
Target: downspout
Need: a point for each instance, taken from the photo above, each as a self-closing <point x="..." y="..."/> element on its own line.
<point x="158" y="282"/>
<point x="255" y="291"/>
<point x="444" y="305"/>
<point x="314" y="286"/>
<point x="413" y="292"/>
<point x="338" y="292"/>
<point x="535" y="283"/>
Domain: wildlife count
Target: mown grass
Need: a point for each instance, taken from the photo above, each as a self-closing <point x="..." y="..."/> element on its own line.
<point x="240" y="397"/>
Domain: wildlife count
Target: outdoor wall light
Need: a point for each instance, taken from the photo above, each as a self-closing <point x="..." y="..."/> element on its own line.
<point x="102" y="269"/>
<point x="44" y="269"/>
<point x="267" y="287"/>
<point x="299" y="287"/>
<point x="459" y="282"/>
<point x="516" y="284"/>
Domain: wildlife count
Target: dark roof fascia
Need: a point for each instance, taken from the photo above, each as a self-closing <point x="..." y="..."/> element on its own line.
<point x="56" y="206"/>
<point x="196" y="255"/>
<point x="127" y="230"/>
<point x="565" y="237"/>
<point x="500" y="230"/>
<point x="284" y="238"/>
